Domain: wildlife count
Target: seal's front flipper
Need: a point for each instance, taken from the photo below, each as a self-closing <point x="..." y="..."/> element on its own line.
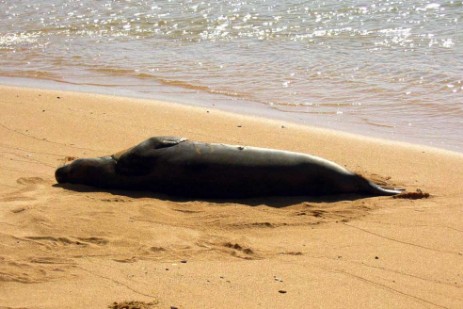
<point x="159" y="142"/>
<point x="139" y="159"/>
<point x="118" y="155"/>
<point x="151" y="143"/>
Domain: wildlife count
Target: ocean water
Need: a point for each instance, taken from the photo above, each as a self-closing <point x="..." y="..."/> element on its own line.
<point x="385" y="68"/>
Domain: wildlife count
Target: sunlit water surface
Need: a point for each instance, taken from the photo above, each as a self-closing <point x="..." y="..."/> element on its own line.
<point x="386" y="68"/>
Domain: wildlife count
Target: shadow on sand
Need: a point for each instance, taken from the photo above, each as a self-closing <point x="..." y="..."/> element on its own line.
<point x="272" y="201"/>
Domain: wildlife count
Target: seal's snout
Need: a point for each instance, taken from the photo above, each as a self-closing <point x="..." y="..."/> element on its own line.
<point x="61" y="174"/>
<point x="92" y="171"/>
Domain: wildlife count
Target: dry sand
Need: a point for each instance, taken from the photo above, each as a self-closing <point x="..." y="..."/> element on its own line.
<point x="82" y="249"/>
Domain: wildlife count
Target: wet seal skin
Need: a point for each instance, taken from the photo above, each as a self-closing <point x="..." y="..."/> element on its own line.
<point x="179" y="167"/>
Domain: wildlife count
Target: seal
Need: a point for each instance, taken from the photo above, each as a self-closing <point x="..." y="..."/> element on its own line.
<point x="179" y="167"/>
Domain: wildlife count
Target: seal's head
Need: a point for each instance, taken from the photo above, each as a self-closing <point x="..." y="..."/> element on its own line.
<point x="94" y="172"/>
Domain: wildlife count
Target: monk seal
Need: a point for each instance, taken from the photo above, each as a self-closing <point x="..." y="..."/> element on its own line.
<point x="179" y="167"/>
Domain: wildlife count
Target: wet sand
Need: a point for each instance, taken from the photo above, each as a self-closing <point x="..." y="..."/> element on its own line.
<point x="81" y="248"/>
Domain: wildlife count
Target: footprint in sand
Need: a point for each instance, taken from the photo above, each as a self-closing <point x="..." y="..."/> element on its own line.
<point x="34" y="269"/>
<point x="50" y="241"/>
<point x="28" y="192"/>
<point x="95" y="240"/>
<point x="240" y="251"/>
<point x="133" y="305"/>
<point x="30" y="180"/>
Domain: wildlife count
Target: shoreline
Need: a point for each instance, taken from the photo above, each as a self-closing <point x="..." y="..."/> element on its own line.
<point x="95" y="248"/>
<point x="246" y="108"/>
<point x="234" y="113"/>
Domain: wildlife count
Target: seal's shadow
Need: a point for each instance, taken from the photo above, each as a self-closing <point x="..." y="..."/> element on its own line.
<point x="271" y="201"/>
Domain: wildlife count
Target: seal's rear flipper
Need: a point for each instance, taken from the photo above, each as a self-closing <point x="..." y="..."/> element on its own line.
<point x="377" y="190"/>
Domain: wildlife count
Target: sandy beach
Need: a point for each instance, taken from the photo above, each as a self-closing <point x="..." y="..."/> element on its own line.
<point x="87" y="249"/>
